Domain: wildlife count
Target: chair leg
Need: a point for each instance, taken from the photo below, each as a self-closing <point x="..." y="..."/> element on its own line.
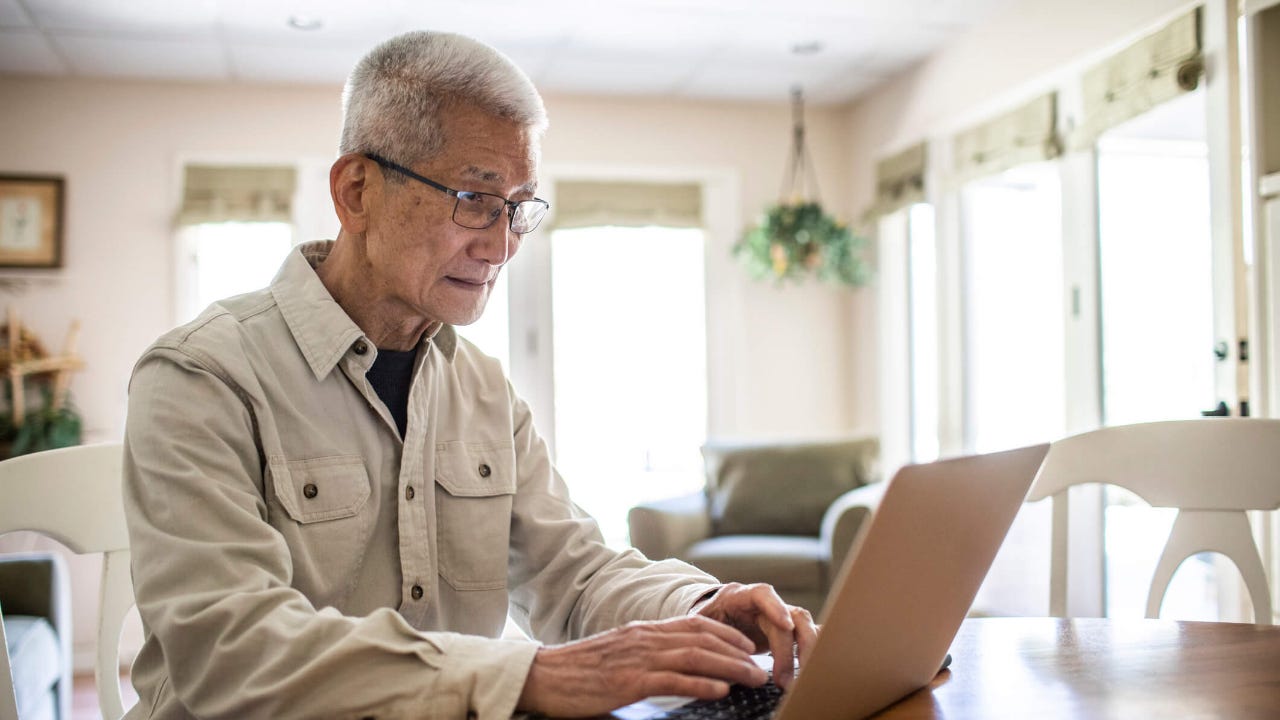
<point x="1223" y="531"/>
<point x="116" y="588"/>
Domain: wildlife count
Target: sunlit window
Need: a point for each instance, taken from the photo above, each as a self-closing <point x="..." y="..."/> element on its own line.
<point x="1014" y="347"/>
<point x="229" y="258"/>
<point x="630" y="342"/>
<point x="924" y="333"/>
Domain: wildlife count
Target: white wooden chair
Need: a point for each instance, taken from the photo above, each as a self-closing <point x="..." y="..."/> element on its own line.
<point x="1212" y="470"/>
<point x="73" y="495"/>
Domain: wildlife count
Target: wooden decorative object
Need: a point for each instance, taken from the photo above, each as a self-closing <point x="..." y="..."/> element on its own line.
<point x="24" y="355"/>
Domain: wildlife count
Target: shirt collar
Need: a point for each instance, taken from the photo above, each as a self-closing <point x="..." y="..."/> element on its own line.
<point x="321" y="328"/>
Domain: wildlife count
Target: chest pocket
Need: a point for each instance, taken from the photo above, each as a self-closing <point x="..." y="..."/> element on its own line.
<point x="329" y="518"/>
<point x="475" y="487"/>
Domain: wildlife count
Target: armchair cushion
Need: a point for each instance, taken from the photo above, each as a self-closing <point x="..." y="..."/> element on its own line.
<point x="35" y="602"/>
<point x="782" y="489"/>
<point x="663" y="528"/>
<point x="35" y="659"/>
<point x="784" y="561"/>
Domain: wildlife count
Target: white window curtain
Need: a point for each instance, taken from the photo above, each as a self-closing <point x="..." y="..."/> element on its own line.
<point x="225" y="193"/>
<point x="900" y="180"/>
<point x="582" y="204"/>
<point x="1153" y="70"/>
<point x="1025" y="135"/>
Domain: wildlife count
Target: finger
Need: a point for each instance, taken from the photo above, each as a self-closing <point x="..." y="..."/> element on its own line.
<point x="782" y="645"/>
<point x="706" y="641"/>
<point x="704" y="663"/>
<point x="769" y="603"/>
<point x="806" y="633"/>
<point x="728" y="633"/>
<point x="673" y="683"/>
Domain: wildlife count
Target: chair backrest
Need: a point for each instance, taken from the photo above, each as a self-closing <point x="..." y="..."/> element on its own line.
<point x="1212" y="470"/>
<point x="73" y="495"/>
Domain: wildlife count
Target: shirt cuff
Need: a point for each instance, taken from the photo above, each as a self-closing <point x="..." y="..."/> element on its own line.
<point x="493" y="672"/>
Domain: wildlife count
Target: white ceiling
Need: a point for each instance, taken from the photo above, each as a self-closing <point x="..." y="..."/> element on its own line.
<point x="722" y="49"/>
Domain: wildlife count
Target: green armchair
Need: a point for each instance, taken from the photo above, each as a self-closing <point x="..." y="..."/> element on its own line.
<point x="784" y="513"/>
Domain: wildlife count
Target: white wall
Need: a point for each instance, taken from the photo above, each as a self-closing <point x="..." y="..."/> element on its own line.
<point x="1026" y="50"/>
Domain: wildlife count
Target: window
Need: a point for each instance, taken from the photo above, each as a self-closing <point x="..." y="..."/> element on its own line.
<point x="228" y="258"/>
<point x="1015" y="389"/>
<point x="630" y="368"/>
<point x="1014" y="354"/>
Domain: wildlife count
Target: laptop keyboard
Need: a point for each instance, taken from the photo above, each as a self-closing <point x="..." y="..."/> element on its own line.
<point x="742" y="703"/>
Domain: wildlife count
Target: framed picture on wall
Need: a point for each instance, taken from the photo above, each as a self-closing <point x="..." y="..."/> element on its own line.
<point x="30" y="221"/>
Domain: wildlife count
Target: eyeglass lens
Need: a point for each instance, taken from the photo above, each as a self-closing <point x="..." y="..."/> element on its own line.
<point x="480" y="210"/>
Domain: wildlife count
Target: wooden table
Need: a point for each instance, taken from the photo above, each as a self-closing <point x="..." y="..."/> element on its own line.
<point x="1047" y="668"/>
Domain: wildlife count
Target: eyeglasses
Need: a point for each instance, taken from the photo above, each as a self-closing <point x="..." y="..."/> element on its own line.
<point x="477" y="210"/>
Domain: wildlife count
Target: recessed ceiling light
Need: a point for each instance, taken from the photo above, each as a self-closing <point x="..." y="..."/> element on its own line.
<point x="812" y="47"/>
<point x="305" y="23"/>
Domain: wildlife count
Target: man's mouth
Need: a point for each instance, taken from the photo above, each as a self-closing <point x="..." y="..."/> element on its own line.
<point x="473" y="282"/>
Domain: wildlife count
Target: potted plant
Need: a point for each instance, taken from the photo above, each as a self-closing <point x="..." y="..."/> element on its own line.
<point x="43" y="428"/>
<point x="796" y="238"/>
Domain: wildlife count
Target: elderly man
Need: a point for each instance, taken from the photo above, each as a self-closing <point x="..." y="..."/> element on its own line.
<point x="334" y="501"/>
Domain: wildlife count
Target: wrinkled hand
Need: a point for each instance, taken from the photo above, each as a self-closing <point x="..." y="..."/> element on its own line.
<point x="692" y="656"/>
<point x="758" y="612"/>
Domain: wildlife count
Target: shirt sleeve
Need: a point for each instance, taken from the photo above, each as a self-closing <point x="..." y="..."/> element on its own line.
<point x="212" y="580"/>
<point x="565" y="582"/>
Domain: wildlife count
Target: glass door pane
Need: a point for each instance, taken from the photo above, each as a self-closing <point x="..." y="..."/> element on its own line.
<point x="1015" y="389"/>
<point x="1015" y="374"/>
<point x="1156" y="286"/>
<point x="922" y="238"/>
<point x="1155" y="253"/>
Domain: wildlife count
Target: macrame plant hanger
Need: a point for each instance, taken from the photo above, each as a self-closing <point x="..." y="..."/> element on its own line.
<point x="800" y="175"/>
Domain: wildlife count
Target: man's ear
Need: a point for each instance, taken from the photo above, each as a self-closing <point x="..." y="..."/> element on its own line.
<point x="349" y="183"/>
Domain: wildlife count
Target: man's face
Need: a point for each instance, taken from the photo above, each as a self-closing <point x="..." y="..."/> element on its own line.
<point x="418" y="255"/>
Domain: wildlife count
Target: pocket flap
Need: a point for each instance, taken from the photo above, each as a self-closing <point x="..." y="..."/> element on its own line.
<point x="476" y="469"/>
<point x="318" y="489"/>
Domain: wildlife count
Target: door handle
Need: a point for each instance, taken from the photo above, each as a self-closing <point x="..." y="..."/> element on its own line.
<point x="1221" y="411"/>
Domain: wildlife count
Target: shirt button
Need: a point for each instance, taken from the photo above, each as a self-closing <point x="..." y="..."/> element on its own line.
<point x="310" y="490"/>
<point x="409" y="493"/>
<point x="484" y="470"/>
<point x="416" y="592"/>
<point x="361" y="347"/>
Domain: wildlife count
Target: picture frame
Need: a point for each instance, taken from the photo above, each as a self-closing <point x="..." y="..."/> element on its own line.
<point x="31" y="221"/>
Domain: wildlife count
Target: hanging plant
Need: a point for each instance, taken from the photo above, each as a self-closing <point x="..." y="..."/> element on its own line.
<point x="796" y="239"/>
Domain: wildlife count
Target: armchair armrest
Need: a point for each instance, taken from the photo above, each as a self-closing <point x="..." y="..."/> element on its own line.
<point x="664" y="528"/>
<point x="846" y="520"/>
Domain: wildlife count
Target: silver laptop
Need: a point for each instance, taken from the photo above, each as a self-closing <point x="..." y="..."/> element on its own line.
<point x="900" y="598"/>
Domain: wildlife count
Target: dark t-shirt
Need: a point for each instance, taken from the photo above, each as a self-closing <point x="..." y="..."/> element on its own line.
<point x="391" y="377"/>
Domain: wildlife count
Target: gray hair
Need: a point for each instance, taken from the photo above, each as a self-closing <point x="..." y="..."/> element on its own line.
<point x="392" y="103"/>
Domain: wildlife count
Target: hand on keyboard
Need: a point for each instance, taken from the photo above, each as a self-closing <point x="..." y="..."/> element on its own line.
<point x="691" y="656"/>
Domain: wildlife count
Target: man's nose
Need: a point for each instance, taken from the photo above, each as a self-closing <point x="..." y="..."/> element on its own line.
<point x="496" y="243"/>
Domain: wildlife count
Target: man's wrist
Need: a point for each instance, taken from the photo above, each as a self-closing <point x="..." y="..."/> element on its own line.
<point x="703" y="599"/>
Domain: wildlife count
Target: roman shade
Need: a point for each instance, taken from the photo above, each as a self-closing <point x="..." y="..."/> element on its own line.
<point x="1153" y="70"/>
<point x="237" y="193"/>
<point x="900" y="180"/>
<point x="580" y="204"/>
<point x="1024" y="135"/>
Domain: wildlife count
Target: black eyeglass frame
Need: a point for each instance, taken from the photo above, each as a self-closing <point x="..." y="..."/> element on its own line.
<point x="509" y="205"/>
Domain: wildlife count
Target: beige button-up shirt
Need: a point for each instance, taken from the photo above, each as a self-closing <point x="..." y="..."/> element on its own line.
<point x="293" y="557"/>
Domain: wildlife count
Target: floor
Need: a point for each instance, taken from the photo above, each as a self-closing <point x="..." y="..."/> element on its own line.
<point x="84" y="696"/>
